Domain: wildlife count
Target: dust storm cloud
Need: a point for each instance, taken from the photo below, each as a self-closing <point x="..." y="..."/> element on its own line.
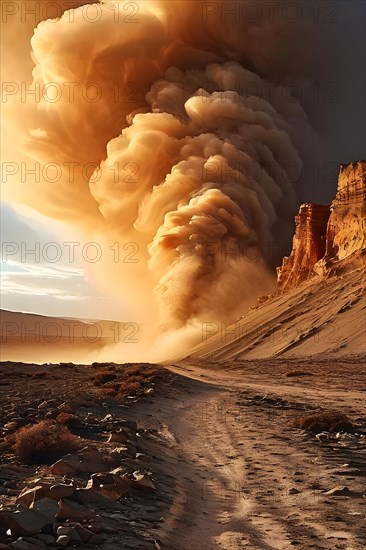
<point x="176" y="126"/>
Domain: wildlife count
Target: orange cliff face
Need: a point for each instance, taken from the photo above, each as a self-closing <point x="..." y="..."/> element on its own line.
<point x="308" y="247"/>
<point x="329" y="239"/>
<point x="346" y="232"/>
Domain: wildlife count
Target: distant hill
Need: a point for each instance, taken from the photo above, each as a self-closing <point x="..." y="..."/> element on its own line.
<point x="30" y="337"/>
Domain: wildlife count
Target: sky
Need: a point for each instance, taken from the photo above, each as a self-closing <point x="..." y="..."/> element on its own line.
<point x="41" y="273"/>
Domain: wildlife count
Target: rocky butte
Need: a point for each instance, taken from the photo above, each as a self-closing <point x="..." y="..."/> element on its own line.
<point x="329" y="239"/>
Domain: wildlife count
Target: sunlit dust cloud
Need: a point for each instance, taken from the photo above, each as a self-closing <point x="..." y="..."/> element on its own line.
<point x="165" y="124"/>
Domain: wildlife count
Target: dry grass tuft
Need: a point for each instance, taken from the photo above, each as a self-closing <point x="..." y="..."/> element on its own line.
<point x="65" y="418"/>
<point x="44" y="442"/>
<point x="127" y="381"/>
<point x="108" y="392"/>
<point x="128" y="389"/>
<point x="331" y="421"/>
<point x="102" y="377"/>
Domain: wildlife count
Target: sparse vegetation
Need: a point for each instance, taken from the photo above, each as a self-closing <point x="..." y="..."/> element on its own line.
<point x="65" y="418"/>
<point x="108" y="392"/>
<point x="323" y="421"/>
<point x="102" y="377"/>
<point x="44" y="442"/>
<point x="126" y="381"/>
<point x="128" y="388"/>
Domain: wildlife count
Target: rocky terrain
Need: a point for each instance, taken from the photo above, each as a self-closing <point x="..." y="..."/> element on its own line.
<point x="101" y="489"/>
<point x="203" y="455"/>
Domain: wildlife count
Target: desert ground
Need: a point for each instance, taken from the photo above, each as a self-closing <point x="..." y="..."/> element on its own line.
<point x="215" y="442"/>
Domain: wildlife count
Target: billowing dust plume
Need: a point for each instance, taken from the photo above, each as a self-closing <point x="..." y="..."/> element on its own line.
<point x="172" y="131"/>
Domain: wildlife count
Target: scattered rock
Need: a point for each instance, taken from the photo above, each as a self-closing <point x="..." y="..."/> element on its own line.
<point x="119" y="452"/>
<point x="63" y="540"/>
<point x="22" y="544"/>
<point x="86" y="460"/>
<point x="34" y="541"/>
<point x="97" y="500"/>
<point x="110" y="485"/>
<point x="130" y="424"/>
<point x="69" y="532"/>
<point x="83" y="533"/>
<point x="117" y="437"/>
<point x="67" y="509"/>
<point x="28" y="496"/>
<point x="142" y="482"/>
<point x="61" y="491"/>
<point x="339" y="491"/>
<point x="22" y="522"/>
<point x="47" y="508"/>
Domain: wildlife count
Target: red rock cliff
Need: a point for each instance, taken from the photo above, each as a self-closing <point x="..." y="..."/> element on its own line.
<point x="309" y="244"/>
<point x="346" y="232"/>
<point x="329" y="238"/>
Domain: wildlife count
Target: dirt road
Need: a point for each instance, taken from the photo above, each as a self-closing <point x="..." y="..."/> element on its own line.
<point x="247" y="478"/>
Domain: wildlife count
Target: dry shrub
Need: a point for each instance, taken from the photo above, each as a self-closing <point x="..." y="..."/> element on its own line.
<point x="293" y="373"/>
<point x="65" y="418"/>
<point x="331" y="421"/>
<point x="135" y="370"/>
<point x="128" y="388"/>
<point x="44" y="442"/>
<point x="132" y="380"/>
<point x="127" y="381"/>
<point x="108" y="392"/>
<point x="103" y="377"/>
<point x="152" y="371"/>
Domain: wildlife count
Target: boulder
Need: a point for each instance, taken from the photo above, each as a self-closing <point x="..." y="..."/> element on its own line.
<point x="28" y="496"/>
<point x="22" y="544"/>
<point x="142" y="482"/>
<point x="109" y="485"/>
<point x="47" y="508"/>
<point x="23" y="522"/>
<point x="117" y="437"/>
<point x="93" y="498"/>
<point x="85" y="460"/>
<point x="67" y="509"/>
<point x="61" y="491"/>
<point x="63" y="540"/>
<point x="339" y="491"/>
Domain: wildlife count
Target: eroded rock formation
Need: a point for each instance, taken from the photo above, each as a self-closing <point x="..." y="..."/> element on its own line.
<point x="346" y="231"/>
<point x="309" y="245"/>
<point x="329" y="238"/>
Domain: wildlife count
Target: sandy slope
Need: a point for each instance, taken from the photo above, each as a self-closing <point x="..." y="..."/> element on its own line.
<point x="323" y="316"/>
